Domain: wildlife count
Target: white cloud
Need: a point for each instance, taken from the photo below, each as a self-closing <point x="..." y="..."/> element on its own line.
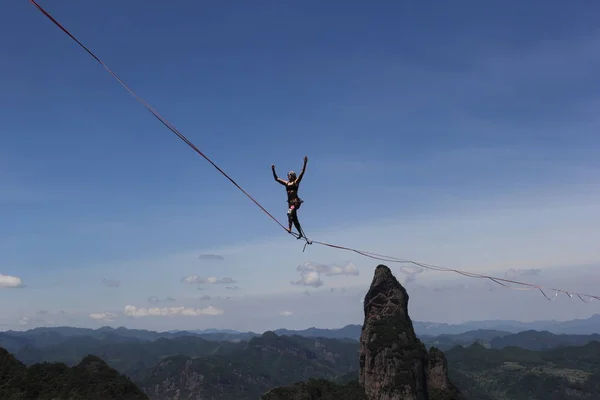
<point x="310" y="278"/>
<point x="105" y="316"/>
<point x="410" y="272"/>
<point x="133" y="311"/>
<point x="23" y="321"/>
<point x="285" y="313"/>
<point x="195" y="279"/>
<point x="310" y="272"/>
<point x="328" y="269"/>
<point x="7" y="281"/>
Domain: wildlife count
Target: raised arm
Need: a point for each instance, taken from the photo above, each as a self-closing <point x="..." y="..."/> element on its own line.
<point x="303" y="169"/>
<point x="275" y="176"/>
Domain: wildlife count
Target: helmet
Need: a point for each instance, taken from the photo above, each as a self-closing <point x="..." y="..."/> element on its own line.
<point x="291" y="174"/>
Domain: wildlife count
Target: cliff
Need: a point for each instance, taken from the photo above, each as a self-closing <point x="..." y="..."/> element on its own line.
<point x="394" y="363"/>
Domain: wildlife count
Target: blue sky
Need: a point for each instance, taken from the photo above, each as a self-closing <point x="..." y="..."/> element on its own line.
<point x="461" y="134"/>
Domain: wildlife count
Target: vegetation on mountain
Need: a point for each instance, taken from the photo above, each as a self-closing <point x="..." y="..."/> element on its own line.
<point x="91" y="379"/>
<point x="317" y="389"/>
<point x="535" y="340"/>
<point x="477" y="371"/>
<point x="133" y="358"/>
<point x="262" y="363"/>
<point x="518" y="374"/>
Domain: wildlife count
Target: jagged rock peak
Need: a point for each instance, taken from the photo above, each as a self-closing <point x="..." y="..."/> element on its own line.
<point x="393" y="361"/>
<point x="394" y="364"/>
<point x="385" y="286"/>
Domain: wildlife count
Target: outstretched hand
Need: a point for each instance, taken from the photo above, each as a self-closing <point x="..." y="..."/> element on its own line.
<point x="305" y="159"/>
<point x="273" y="166"/>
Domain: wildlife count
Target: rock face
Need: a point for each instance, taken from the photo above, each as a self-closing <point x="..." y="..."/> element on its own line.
<point x="438" y="384"/>
<point x="394" y="364"/>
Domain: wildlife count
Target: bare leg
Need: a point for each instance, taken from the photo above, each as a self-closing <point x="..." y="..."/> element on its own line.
<point x="297" y="225"/>
<point x="293" y="218"/>
<point x="290" y="218"/>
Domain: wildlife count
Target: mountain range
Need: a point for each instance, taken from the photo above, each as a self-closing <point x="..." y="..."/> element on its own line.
<point x="493" y="361"/>
<point x="585" y="326"/>
<point x="445" y="334"/>
<point x="512" y="373"/>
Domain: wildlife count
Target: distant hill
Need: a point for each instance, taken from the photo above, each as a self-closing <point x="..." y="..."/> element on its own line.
<point x="122" y="347"/>
<point x="132" y="358"/>
<point x="229" y="369"/>
<point x="90" y="379"/>
<point x="347" y="332"/>
<point x="512" y="373"/>
<point x="448" y="341"/>
<point x="528" y="340"/>
<point x="47" y="335"/>
<point x="253" y="368"/>
<point x="535" y="340"/>
<point x="227" y="365"/>
<point x="586" y="326"/>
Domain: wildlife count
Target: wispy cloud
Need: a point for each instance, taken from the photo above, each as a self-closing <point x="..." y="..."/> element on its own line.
<point x="105" y="316"/>
<point x="310" y="272"/>
<point x="450" y="287"/>
<point x="518" y="273"/>
<point x="285" y="313"/>
<point x="10" y="282"/>
<point x="211" y="257"/>
<point x="111" y="282"/>
<point x="155" y="299"/>
<point x="232" y="288"/>
<point x="410" y="273"/>
<point x="212" y="280"/>
<point x="132" y="311"/>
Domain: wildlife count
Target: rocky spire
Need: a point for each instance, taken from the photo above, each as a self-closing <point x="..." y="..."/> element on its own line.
<point x="438" y="383"/>
<point x="394" y="364"/>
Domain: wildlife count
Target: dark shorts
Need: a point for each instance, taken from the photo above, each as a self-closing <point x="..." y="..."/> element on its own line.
<point x="296" y="203"/>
